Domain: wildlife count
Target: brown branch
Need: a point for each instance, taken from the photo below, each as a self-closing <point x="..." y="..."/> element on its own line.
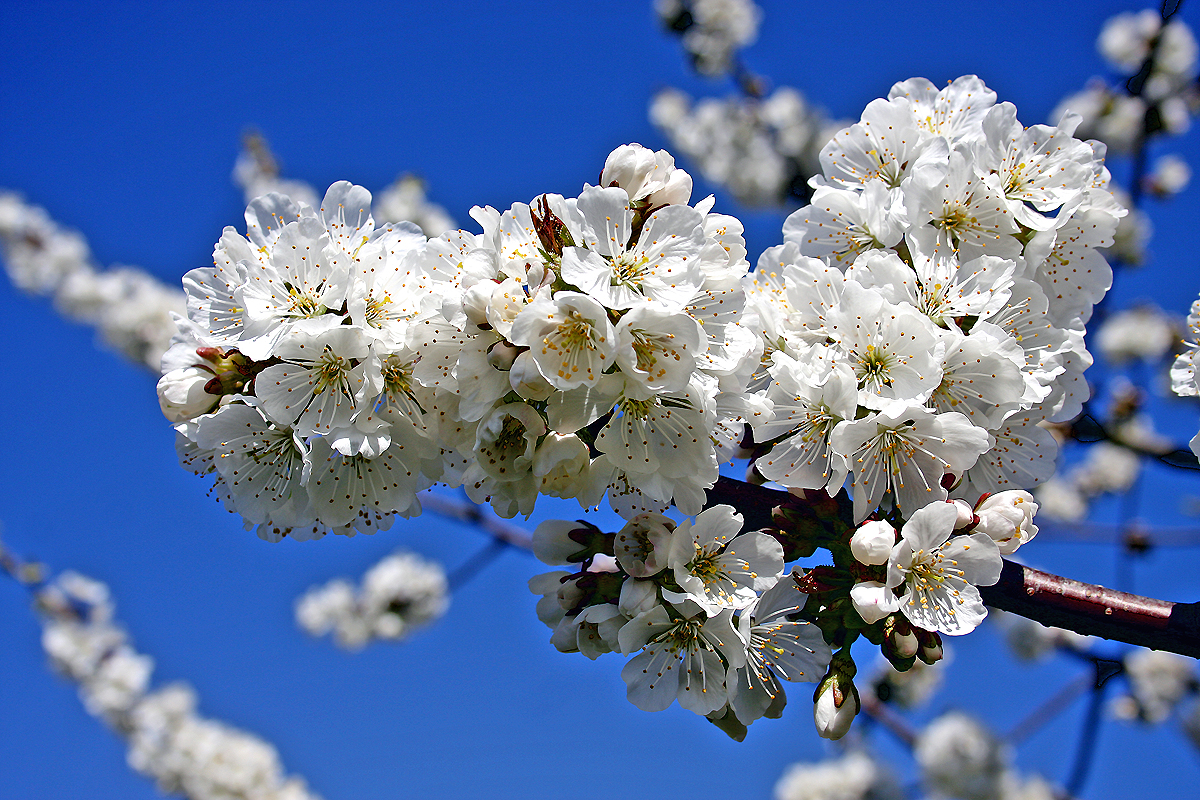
<point x="1049" y="599"/>
<point x="883" y="714"/>
<point x="1095" y="610"/>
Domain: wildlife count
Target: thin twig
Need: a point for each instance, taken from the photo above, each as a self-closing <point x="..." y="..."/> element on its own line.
<point x="467" y="570"/>
<point x="471" y="514"/>
<point x="894" y="723"/>
<point x="1090" y="730"/>
<point x="1048" y="710"/>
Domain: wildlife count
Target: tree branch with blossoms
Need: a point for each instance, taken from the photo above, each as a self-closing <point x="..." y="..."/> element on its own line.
<point x="896" y="360"/>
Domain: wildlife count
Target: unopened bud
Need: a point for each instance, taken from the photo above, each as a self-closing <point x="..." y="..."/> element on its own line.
<point x="835" y="704"/>
<point x="475" y="301"/>
<point x="966" y="514"/>
<point x="502" y="355"/>
<point x="931" y="646"/>
<point x="901" y="640"/>
<point x="183" y="393"/>
<point x="213" y="354"/>
<point x="1007" y="517"/>
<point x="872" y="543"/>
<point x="526" y="380"/>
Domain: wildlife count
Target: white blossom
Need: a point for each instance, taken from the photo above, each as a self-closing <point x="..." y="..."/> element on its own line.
<point x="960" y="758"/>
<point x="939" y="573"/>
<point x="399" y="594"/>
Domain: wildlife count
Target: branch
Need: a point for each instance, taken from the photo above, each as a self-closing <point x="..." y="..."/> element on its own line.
<point x="1095" y="610"/>
<point x="1040" y="596"/>
<point x="1087" y="429"/>
<point x="467" y="512"/>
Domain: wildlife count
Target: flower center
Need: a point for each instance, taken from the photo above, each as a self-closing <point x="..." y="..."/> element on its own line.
<point x="874" y="367"/>
<point x="628" y="271"/>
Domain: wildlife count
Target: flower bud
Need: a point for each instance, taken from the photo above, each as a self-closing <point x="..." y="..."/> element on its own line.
<point x="873" y="601"/>
<point x="966" y="514"/>
<point x="930" y="646"/>
<point x="642" y="546"/>
<point x="182" y="396"/>
<point x="569" y="594"/>
<point x="553" y="545"/>
<point x="1007" y="517"/>
<point x="872" y="543"/>
<point x="502" y="355"/>
<point x="637" y="597"/>
<point x="835" y="705"/>
<point x="526" y="380"/>
<point x="648" y="175"/>
<point x="901" y="641"/>
<point x="476" y="300"/>
<point x="562" y="463"/>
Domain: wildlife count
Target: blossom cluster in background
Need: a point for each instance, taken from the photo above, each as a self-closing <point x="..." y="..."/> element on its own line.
<point x="183" y="752"/>
<point x="1162" y="59"/>
<point x="399" y="594"/>
<point x="130" y="309"/>
<point x="763" y="150"/>
<point x="712" y="31"/>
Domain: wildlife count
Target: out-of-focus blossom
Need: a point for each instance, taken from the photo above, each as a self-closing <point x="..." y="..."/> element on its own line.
<point x="1143" y="333"/>
<point x="712" y="30"/>
<point x="130" y="309"/>
<point x="401" y="593"/>
<point x="184" y="753"/>
<point x="1158" y="681"/>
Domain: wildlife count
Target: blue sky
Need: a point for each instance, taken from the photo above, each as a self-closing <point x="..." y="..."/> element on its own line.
<point x="124" y="121"/>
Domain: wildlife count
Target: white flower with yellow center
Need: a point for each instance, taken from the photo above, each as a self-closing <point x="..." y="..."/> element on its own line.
<point x="323" y="382"/>
<point x="716" y="567"/>
<point x="956" y="211"/>
<point x="664" y="446"/>
<point x="662" y="265"/>
<point x="954" y="112"/>
<point x="776" y="647"/>
<point x="939" y="573"/>
<point x="905" y="450"/>
<point x="295" y="290"/>
<point x="807" y="406"/>
<point x="389" y="284"/>
<point x="656" y="349"/>
<point x="840" y="224"/>
<point x="684" y="657"/>
<point x="262" y="465"/>
<point x="569" y="337"/>
<point x="893" y="350"/>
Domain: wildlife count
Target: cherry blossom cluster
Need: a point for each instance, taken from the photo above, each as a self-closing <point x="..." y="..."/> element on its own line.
<point x="712" y="30"/>
<point x="924" y="316"/>
<point x="130" y="308"/>
<point x="400" y="594"/>
<point x="762" y="150"/>
<point x="330" y="368"/>
<point x="186" y="754"/>
<point x="927" y="309"/>
<point x="705" y="610"/>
